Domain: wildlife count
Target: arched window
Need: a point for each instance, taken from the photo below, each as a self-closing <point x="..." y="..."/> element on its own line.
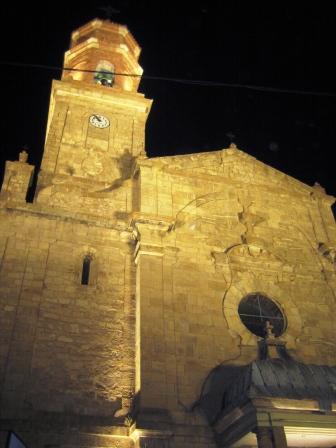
<point x="104" y="74"/>
<point x="86" y="270"/>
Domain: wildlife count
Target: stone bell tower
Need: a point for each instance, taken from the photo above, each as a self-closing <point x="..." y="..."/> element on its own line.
<point x="97" y="118"/>
<point x="67" y="272"/>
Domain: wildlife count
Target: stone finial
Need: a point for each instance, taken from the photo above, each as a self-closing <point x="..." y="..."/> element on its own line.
<point x="23" y="156"/>
<point x="319" y="187"/>
<point x="232" y="149"/>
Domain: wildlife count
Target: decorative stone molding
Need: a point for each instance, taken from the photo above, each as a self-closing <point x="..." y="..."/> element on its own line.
<point x="147" y="249"/>
<point x="149" y="232"/>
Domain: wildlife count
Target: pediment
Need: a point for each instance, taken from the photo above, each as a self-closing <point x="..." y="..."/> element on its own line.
<point x="230" y="164"/>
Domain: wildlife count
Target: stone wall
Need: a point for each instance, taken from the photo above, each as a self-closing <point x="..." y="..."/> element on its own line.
<point x="213" y="228"/>
<point x="124" y="360"/>
<point x="66" y="348"/>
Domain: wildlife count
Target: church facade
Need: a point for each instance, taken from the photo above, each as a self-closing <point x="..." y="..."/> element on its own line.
<point x="183" y="301"/>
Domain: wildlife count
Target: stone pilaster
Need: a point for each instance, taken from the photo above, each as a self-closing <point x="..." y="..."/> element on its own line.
<point x="151" y="378"/>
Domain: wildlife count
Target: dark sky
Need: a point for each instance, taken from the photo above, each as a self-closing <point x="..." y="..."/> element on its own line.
<point x="279" y="46"/>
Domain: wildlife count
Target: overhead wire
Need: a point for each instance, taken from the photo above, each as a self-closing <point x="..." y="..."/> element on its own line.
<point x="195" y="82"/>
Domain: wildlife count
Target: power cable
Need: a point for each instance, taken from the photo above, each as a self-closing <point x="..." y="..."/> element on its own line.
<point x="202" y="83"/>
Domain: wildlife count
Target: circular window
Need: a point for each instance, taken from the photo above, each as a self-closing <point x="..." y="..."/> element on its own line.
<point x="255" y="310"/>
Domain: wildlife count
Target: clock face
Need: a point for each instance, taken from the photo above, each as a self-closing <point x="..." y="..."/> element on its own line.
<point x="99" y="121"/>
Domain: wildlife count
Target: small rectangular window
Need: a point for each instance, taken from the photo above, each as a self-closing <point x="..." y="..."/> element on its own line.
<point x="86" y="270"/>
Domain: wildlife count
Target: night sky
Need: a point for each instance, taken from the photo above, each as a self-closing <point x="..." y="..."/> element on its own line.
<point x="278" y="46"/>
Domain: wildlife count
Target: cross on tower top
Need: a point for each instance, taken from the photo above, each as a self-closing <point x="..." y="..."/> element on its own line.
<point x="109" y="11"/>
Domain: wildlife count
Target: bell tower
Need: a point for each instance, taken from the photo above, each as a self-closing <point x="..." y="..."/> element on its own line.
<point x="104" y="53"/>
<point x="97" y="117"/>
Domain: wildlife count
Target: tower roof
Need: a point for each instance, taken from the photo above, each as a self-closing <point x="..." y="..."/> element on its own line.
<point x="104" y="44"/>
<point x="106" y="32"/>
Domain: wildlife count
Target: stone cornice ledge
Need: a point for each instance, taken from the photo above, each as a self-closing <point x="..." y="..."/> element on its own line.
<point x="164" y="223"/>
<point x="49" y="212"/>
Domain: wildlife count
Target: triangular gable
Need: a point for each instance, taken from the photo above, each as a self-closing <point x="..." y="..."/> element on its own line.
<point x="230" y="163"/>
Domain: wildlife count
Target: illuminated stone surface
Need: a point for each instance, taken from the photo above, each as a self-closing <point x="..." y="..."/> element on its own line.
<point x="175" y="244"/>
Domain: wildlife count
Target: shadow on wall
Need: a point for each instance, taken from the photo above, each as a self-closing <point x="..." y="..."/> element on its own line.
<point x="126" y="165"/>
<point x="213" y="390"/>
